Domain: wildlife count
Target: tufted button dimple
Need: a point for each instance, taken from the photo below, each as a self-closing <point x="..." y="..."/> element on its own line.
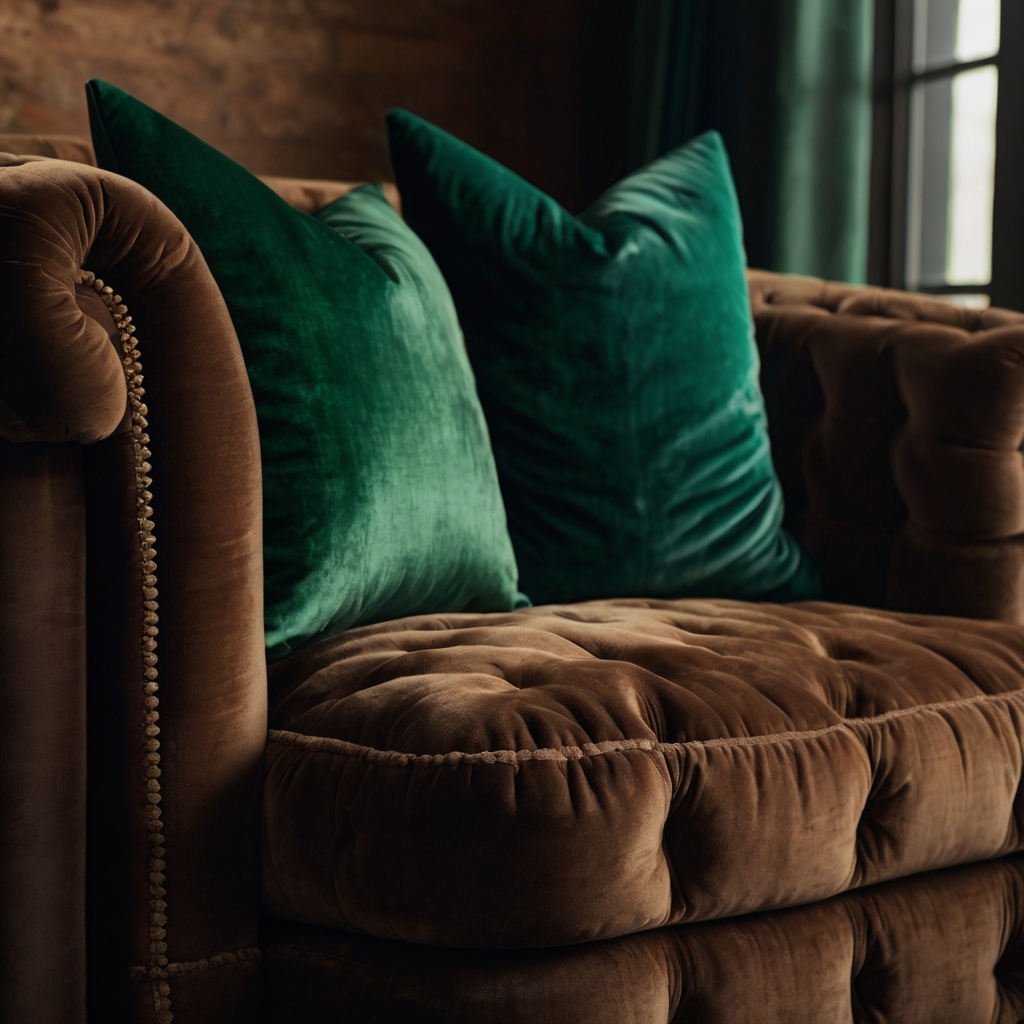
<point x="656" y="761"/>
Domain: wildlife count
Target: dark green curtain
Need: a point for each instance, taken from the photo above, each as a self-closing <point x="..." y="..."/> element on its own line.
<point x="788" y="84"/>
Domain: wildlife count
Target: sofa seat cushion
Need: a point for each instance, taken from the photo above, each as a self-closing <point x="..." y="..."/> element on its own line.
<point x="947" y="946"/>
<point x="568" y="773"/>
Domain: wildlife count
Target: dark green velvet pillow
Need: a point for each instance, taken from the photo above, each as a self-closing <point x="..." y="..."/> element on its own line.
<point x="379" y="489"/>
<point x="616" y="363"/>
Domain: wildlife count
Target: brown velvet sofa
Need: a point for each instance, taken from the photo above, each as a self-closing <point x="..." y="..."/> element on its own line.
<point x="620" y="811"/>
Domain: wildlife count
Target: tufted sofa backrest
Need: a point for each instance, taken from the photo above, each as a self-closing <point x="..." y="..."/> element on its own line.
<point x="897" y="422"/>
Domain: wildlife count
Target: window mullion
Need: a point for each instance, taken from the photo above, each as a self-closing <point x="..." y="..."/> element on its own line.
<point x="1007" y="287"/>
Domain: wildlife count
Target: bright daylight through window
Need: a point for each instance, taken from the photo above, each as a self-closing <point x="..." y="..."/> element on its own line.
<point x="954" y="85"/>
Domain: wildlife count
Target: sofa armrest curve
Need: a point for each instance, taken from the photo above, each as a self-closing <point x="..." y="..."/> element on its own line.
<point x="170" y="518"/>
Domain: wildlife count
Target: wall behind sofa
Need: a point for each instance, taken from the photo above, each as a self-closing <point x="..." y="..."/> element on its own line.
<point x="300" y="87"/>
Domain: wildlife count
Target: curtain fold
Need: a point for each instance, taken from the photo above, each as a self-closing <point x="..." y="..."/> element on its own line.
<point x="788" y="84"/>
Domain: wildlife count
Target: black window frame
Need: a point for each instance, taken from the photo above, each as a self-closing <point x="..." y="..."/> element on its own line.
<point x="894" y="76"/>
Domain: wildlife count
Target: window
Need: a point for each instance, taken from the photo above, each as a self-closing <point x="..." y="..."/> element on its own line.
<point x="943" y="198"/>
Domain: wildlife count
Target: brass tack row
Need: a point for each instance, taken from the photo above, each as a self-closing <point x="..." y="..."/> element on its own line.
<point x="132" y="367"/>
<point x="240" y="956"/>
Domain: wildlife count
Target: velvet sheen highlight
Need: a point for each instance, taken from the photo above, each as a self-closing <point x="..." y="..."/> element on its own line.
<point x="616" y="363"/>
<point x="379" y="486"/>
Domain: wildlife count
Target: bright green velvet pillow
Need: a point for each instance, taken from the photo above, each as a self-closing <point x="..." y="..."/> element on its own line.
<point x="616" y="364"/>
<point x="380" y="495"/>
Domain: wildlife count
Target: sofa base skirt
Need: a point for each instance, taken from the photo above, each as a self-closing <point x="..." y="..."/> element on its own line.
<point x="945" y="947"/>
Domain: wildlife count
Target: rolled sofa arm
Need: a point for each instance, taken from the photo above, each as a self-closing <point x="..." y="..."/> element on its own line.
<point x="149" y="548"/>
<point x="897" y="423"/>
<point x="60" y="377"/>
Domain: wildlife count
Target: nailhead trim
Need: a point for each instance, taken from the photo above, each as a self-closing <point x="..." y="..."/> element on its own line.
<point x="132" y="366"/>
<point x="251" y="955"/>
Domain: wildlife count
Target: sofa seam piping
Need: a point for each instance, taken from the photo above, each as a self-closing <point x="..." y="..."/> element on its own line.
<point x="331" y="745"/>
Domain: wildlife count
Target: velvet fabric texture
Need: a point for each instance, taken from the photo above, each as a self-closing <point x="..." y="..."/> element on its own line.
<point x="568" y="773"/>
<point x="941" y="948"/>
<point x="60" y="147"/>
<point x="90" y="745"/>
<point x="894" y="417"/>
<point x="380" y="492"/>
<point x="616" y="363"/>
<point x="897" y="424"/>
<point x="42" y="724"/>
